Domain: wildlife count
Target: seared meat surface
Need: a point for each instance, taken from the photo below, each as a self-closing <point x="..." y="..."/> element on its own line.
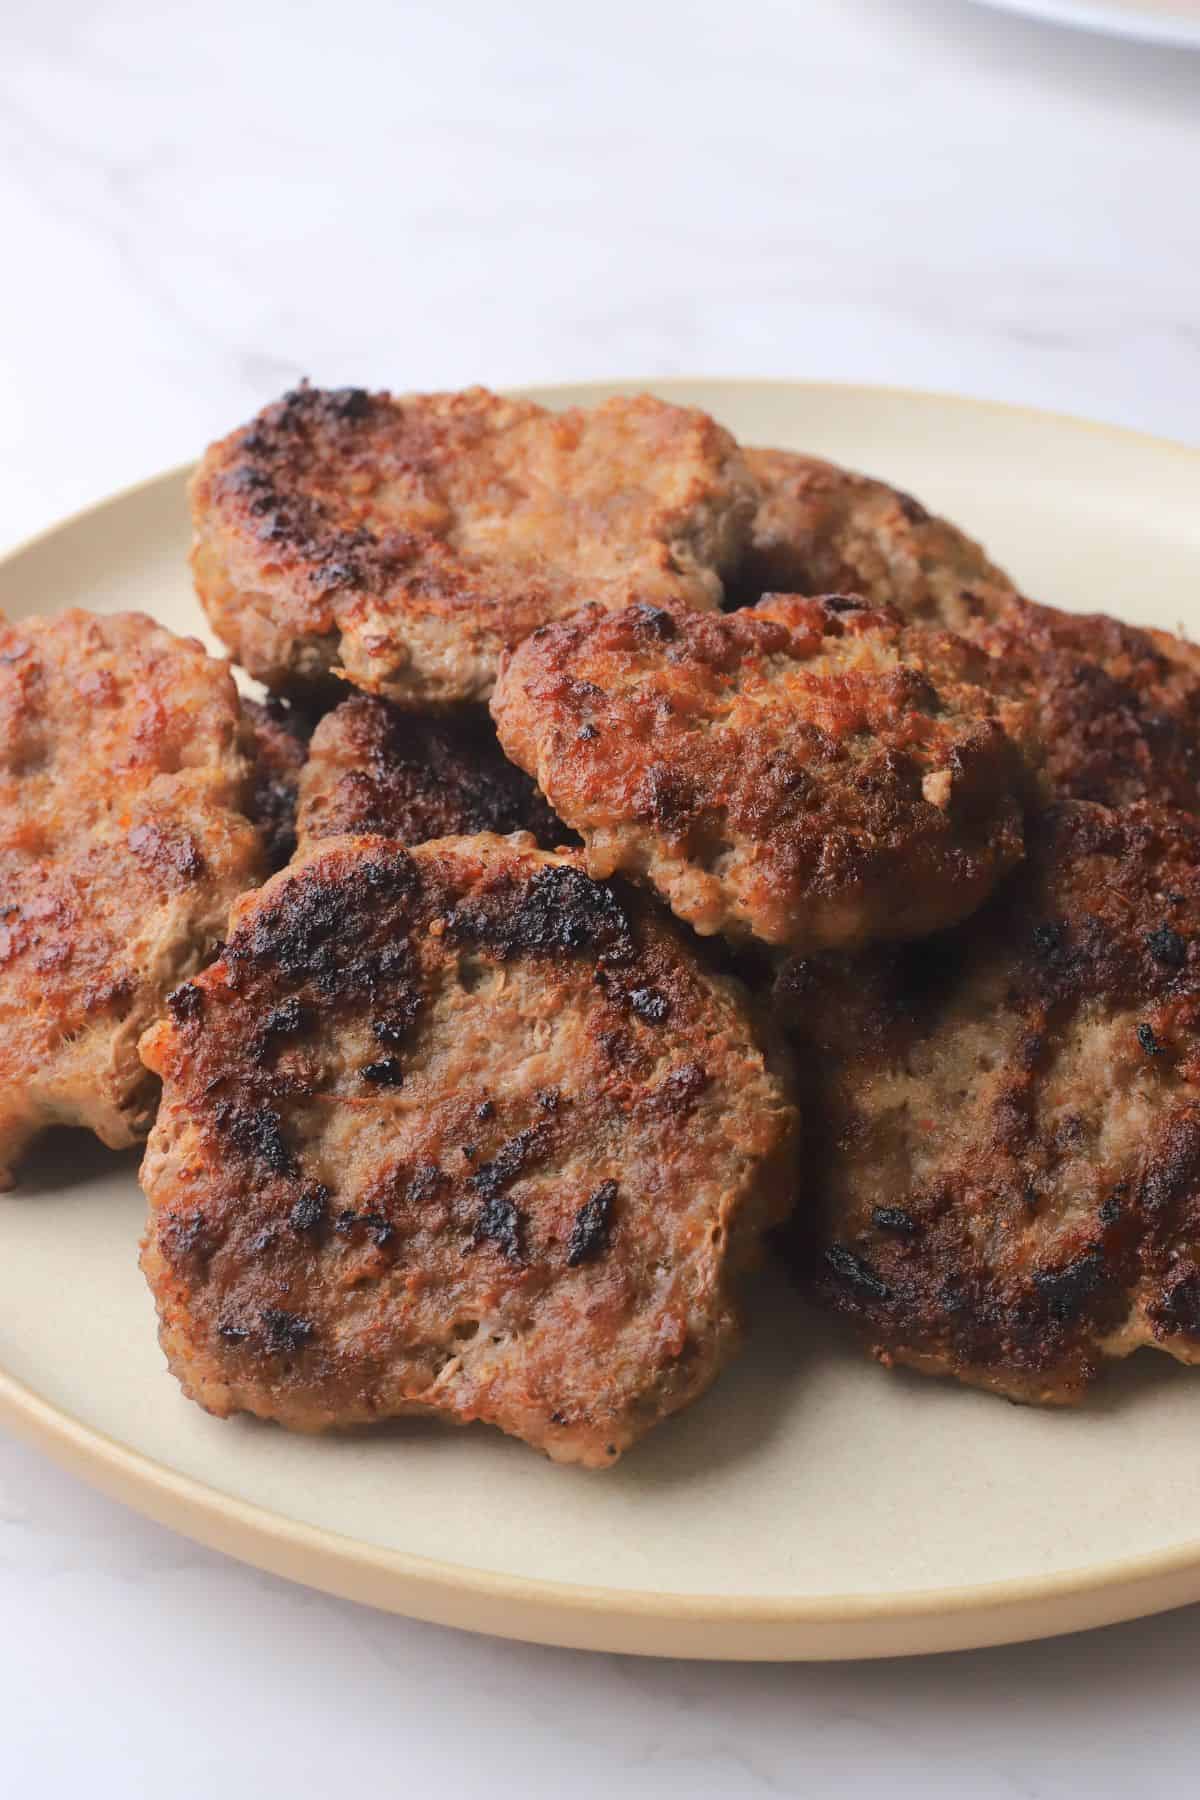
<point x="375" y="769"/>
<point x="1005" y="1120"/>
<point x="456" y="1130"/>
<point x="406" y="542"/>
<point x="821" y="529"/>
<point x="808" y="772"/>
<point x="281" y="736"/>
<point x="1116" y="706"/>
<point x="125" y="779"/>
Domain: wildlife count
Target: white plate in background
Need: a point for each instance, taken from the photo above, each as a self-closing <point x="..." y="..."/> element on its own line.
<point x="1154" y="21"/>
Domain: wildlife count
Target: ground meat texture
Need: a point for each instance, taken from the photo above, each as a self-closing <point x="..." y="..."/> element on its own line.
<point x="808" y="773"/>
<point x="1116" y="707"/>
<point x="406" y="542"/>
<point x="125" y="775"/>
<point x="821" y="529"/>
<point x="375" y="769"/>
<point x="281" y="735"/>
<point x="1004" y="1121"/>
<point x="539" y="1225"/>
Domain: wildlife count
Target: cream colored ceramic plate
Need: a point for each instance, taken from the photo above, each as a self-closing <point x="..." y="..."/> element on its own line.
<point x="1154" y="21"/>
<point x="811" y="1506"/>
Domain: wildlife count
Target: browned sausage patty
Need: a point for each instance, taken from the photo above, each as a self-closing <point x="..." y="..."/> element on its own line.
<point x="280" y="750"/>
<point x="407" y="541"/>
<point x="821" y="529"/>
<point x="374" y="769"/>
<point x="1117" y="706"/>
<point x="1005" y="1148"/>
<point x="456" y="1130"/>
<point x="808" y="772"/>
<point x="124" y="775"/>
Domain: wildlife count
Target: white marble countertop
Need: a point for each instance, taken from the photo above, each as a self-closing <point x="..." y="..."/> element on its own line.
<point x="200" y="206"/>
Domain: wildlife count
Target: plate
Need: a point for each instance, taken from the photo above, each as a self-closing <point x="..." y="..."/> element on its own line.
<point x="811" y="1505"/>
<point x="1154" y="21"/>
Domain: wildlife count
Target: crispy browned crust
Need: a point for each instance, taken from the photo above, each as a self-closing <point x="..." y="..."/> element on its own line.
<point x="124" y="775"/>
<point x="821" y="529"/>
<point x="407" y="541"/>
<point x="1117" y="706"/>
<point x="455" y="1130"/>
<point x="280" y="743"/>
<point x="375" y="769"/>
<point x="809" y="772"/>
<point x="1006" y="1119"/>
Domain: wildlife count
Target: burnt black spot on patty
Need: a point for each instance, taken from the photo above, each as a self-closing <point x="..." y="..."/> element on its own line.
<point x="512" y="1160"/>
<point x="590" y="1229"/>
<point x="284" y="1019"/>
<point x="414" y="778"/>
<point x="653" y="622"/>
<point x="185" y="1003"/>
<point x="856" y="1273"/>
<point x="257" y="1133"/>
<point x="393" y="1029"/>
<point x="186" y="1237"/>
<point x="285" y="1330"/>
<point x="499" y="1222"/>
<point x="309" y="1212"/>
<point x="1110" y="1207"/>
<point x="386" y="1071"/>
<point x="894" y="1218"/>
<point x="556" y="911"/>
<point x="1167" y="947"/>
<point x="1067" y="1291"/>
<point x="335" y="928"/>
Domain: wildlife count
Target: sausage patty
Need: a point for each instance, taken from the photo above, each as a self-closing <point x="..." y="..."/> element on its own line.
<point x="1005" y="1120"/>
<point x="808" y="772"/>
<point x="125" y="776"/>
<point x="1117" y="706"/>
<point x="281" y="737"/>
<point x="407" y="541"/>
<point x="456" y="1130"/>
<point x="374" y="769"/>
<point x="821" y="529"/>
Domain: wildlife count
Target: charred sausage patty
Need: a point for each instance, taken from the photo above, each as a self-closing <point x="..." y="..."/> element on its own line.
<point x="1005" y="1120"/>
<point x="375" y="770"/>
<point x="405" y="542"/>
<point x="455" y="1130"/>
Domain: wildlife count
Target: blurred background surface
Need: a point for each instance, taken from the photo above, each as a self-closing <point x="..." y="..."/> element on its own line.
<point x="202" y="205"/>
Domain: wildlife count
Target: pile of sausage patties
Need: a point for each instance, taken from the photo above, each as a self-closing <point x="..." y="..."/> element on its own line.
<point x="652" y="853"/>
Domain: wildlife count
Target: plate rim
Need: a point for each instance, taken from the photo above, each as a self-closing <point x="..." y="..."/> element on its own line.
<point x="725" y="1626"/>
<point x="180" y="471"/>
<point x="130" y="1471"/>
<point x="1115" y="21"/>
